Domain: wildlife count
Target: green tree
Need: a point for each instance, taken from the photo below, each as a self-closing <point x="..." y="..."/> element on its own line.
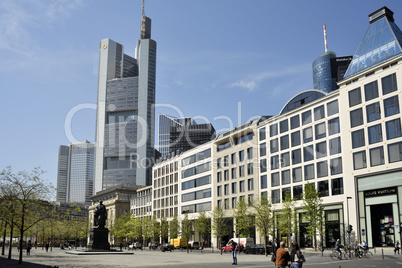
<point x="174" y="227"/>
<point x="119" y="230"/>
<point x="164" y="229"/>
<point x="156" y="229"/>
<point x="186" y="230"/>
<point x="219" y="224"/>
<point x="202" y="225"/>
<point x="312" y="204"/>
<point x="287" y="215"/>
<point x="263" y="218"/>
<point x="27" y="192"/>
<point x="244" y="219"/>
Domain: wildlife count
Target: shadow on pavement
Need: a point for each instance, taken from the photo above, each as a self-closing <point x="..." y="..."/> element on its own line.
<point x="5" y="262"/>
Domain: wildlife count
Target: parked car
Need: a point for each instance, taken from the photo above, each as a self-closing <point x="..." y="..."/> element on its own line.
<point x="254" y="249"/>
<point x="228" y="248"/>
<point x="135" y="245"/>
<point x="194" y="245"/>
<point x="165" y="247"/>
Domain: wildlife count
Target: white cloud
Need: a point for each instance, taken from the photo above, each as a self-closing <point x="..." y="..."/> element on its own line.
<point x="250" y="85"/>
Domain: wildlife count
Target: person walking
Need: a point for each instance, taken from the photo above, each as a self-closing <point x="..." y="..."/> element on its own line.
<point x="397" y="246"/>
<point x="282" y="256"/>
<point x="233" y="245"/>
<point x="29" y="246"/>
<point x="296" y="256"/>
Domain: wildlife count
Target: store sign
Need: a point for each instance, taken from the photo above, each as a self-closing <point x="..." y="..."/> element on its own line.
<point x="380" y="192"/>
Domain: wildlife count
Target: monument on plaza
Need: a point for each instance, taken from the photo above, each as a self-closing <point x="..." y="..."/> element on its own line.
<point x="98" y="237"/>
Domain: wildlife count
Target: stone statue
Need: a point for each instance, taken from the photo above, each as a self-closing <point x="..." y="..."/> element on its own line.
<point x="100" y="215"/>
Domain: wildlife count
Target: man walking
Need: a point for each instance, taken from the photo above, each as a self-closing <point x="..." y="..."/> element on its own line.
<point x="282" y="256"/>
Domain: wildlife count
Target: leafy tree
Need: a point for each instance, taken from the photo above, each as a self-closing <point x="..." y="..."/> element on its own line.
<point x="186" y="229"/>
<point x="312" y="204"/>
<point x="156" y="228"/>
<point x="202" y="225"/>
<point x="147" y="227"/>
<point x="244" y="219"/>
<point x="27" y="192"/>
<point x="120" y="227"/>
<point x="164" y="232"/>
<point x="174" y="227"/>
<point x="263" y="218"/>
<point x="219" y="224"/>
<point x="287" y="215"/>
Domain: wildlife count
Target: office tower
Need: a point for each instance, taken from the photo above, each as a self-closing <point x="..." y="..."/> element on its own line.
<point x="75" y="173"/>
<point x="125" y="112"/>
<point x="329" y="69"/>
<point x="177" y="135"/>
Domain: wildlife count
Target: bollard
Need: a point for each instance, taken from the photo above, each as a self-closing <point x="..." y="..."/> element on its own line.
<point x="382" y="253"/>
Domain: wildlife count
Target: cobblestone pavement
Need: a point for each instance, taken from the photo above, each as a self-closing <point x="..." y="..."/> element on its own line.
<point x="207" y="258"/>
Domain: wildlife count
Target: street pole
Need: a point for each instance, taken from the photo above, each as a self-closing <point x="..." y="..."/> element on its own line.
<point x="347" y="205"/>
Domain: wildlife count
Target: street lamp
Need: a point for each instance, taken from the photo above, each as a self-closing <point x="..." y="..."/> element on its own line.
<point x="347" y="206"/>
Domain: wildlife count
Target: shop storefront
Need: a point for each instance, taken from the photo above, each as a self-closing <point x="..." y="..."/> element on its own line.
<point x="380" y="208"/>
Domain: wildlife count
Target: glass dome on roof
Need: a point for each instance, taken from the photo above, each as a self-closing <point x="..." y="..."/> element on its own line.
<point x="382" y="41"/>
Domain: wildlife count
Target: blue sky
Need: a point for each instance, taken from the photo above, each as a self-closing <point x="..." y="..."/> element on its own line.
<point x="220" y="61"/>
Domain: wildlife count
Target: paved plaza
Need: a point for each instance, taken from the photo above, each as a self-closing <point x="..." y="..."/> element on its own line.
<point x="149" y="258"/>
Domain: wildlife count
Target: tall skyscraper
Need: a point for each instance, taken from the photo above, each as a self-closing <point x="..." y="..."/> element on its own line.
<point x="125" y="112"/>
<point x="75" y="175"/>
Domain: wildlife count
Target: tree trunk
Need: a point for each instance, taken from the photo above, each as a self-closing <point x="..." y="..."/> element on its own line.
<point x="11" y="239"/>
<point x="4" y="239"/>
<point x="21" y="236"/>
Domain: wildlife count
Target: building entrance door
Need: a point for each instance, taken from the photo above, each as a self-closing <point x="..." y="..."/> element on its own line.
<point x="382" y="225"/>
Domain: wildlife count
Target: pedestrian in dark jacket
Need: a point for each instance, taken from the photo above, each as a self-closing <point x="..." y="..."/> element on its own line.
<point x="282" y="256"/>
<point x="233" y="244"/>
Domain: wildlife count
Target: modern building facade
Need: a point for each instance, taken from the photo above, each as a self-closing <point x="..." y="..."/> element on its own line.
<point x="125" y="116"/>
<point x="75" y="174"/>
<point x="141" y="203"/>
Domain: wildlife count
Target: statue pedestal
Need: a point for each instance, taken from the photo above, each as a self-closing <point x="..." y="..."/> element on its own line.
<point x="98" y="239"/>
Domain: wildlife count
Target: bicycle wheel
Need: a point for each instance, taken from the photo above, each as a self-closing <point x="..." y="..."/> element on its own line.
<point x="346" y="255"/>
<point x="368" y="255"/>
<point x="334" y="256"/>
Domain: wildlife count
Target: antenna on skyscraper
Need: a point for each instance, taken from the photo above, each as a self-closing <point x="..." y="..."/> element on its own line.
<point x="143" y="10"/>
<point x="325" y="38"/>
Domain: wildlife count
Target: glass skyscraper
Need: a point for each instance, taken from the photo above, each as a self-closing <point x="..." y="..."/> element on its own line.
<point x="125" y="112"/>
<point x="75" y="173"/>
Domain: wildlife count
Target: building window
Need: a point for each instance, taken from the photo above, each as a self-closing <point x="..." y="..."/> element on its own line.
<point x="226" y="202"/>
<point x="275" y="179"/>
<point x="309" y="172"/>
<point x="285" y="159"/>
<point x="226" y="161"/>
<point x="241" y="171"/>
<point x="219" y="162"/>
<point x="389" y="84"/>
<point x="336" y="166"/>
<point x="371" y="91"/>
<point x="333" y="126"/>
<point x="264" y="183"/>
<point x="273" y="130"/>
<point x="359" y="160"/>
<point x="298" y="192"/>
<point x="241" y="155"/>
<point x="262" y="134"/>
<point x="395" y="152"/>
<point x="274" y="145"/>
<point x="358" y="138"/>
<point x="335" y="146"/>
<point x="376" y="156"/>
<point x="250" y="184"/>
<point x="355" y="97"/>
<point x="295" y="138"/>
<point x="393" y="128"/>
<point x="322" y="169"/>
<point x="319" y="113"/>
<point x="356" y="118"/>
<point x="226" y="175"/>
<point x="321" y="149"/>
<point x="250" y="169"/>
<point x="337" y="186"/>
<point x="373" y="112"/>
<point x="375" y="134"/>
<point x="286" y="192"/>
<point x="263" y="165"/>
<point x="391" y="106"/>
<point x="226" y="189"/>
<point x="308" y="153"/>
<point x="296" y="156"/>
<point x="234" y="202"/>
<point x="263" y="149"/>
<point x="219" y="190"/>
<point x="283" y="126"/>
<point x="285" y="142"/>
<point x="294" y="122"/>
<point x="233" y="158"/>
<point x="276" y="199"/>
<point x="274" y="162"/>
<point x="219" y="176"/>
<point x="323" y="188"/>
<point x="320" y="131"/>
<point x="297" y="174"/>
<point x="332" y="108"/>
<point x="250" y="153"/>
<point x="242" y="187"/>
<point x="234" y="171"/>
<point x="234" y="187"/>
<point x="285" y="177"/>
<point x="306" y="118"/>
<point x="307" y="134"/>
